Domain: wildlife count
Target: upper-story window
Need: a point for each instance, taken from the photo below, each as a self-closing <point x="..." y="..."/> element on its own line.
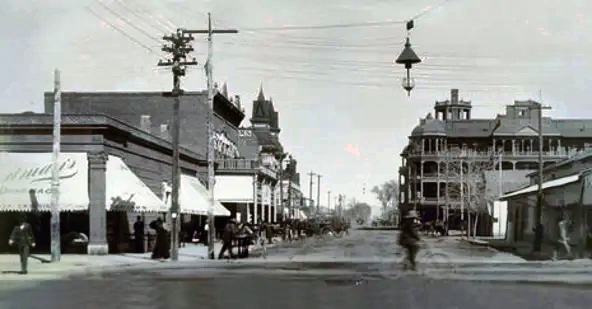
<point x="522" y="113"/>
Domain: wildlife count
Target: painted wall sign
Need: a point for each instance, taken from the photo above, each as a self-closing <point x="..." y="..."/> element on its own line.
<point x="224" y="146"/>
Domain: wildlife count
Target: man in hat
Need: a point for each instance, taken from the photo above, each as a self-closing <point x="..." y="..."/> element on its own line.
<point x="409" y="237"/>
<point x="22" y="236"/>
<point x="228" y="236"/>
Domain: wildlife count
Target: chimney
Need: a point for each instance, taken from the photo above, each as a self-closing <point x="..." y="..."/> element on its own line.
<point x="145" y="123"/>
<point x="164" y="131"/>
<point x="454" y="96"/>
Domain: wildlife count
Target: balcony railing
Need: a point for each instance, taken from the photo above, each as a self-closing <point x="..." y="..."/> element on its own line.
<point x="238" y="164"/>
<point x="245" y="165"/>
<point x="489" y="154"/>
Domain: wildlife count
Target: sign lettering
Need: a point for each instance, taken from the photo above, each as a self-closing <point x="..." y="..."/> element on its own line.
<point x="67" y="169"/>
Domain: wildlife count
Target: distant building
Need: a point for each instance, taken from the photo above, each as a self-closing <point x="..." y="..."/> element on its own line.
<point x="452" y="136"/>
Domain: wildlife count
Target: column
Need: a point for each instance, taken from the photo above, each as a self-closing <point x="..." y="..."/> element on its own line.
<point x="255" y="198"/>
<point x="430" y="145"/>
<point x="438" y="194"/>
<point x="494" y="146"/>
<point x="421" y="180"/>
<point x="274" y="203"/>
<point x="513" y="147"/>
<point x="97" y="166"/>
<point x="422" y="146"/>
<point x="559" y="146"/>
<point x="531" y="146"/>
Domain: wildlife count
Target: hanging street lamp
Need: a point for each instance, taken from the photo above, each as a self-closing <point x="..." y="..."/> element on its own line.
<point x="408" y="57"/>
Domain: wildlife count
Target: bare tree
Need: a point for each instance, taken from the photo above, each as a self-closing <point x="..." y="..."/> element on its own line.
<point x="465" y="175"/>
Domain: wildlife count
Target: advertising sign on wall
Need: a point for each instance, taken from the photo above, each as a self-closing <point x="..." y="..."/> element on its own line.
<point x="25" y="181"/>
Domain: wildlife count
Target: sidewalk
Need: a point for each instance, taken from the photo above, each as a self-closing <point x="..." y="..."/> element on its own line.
<point x="522" y="249"/>
<point x="40" y="268"/>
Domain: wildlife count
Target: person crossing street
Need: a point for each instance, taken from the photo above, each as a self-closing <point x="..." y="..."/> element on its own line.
<point x="22" y="237"/>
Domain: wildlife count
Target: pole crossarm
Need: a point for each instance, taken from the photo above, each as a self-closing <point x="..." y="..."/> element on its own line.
<point x="179" y="49"/>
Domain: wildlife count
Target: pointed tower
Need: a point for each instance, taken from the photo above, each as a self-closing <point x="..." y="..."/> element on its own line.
<point x="261" y="115"/>
<point x="225" y="90"/>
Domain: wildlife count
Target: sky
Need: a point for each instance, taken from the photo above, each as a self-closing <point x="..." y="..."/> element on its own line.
<point x="343" y="112"/>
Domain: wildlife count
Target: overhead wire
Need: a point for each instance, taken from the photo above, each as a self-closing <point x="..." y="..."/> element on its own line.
<point x="128" y="22"/>
<point x="122" y="32"/>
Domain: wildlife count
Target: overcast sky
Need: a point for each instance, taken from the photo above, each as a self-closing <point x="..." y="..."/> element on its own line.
<point x="342" y="109"/>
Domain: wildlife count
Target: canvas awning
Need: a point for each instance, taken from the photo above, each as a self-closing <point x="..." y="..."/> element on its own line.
<point x="194" y="198"/>
<point x="126" y="192"/>
<point x="546" y="185"/>
<point x="234" y="189"/>
<point x="25" y="181"/>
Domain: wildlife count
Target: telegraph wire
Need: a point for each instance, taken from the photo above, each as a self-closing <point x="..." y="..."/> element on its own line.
<point x="112" y="26"/>
<point x="140" y="17"/>
<point x="127" y="21"/>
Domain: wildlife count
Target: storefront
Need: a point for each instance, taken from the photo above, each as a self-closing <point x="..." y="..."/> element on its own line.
<point x="109" y="172"/>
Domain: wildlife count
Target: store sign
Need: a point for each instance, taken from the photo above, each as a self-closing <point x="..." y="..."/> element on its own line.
<point x="25" y="179"/>
<point x="224" y="146"/>
<point x="24" y="171"/>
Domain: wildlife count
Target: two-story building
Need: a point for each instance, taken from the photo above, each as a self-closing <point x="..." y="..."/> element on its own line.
<point x="453" y="138"/>
<point x="152" y="112"/>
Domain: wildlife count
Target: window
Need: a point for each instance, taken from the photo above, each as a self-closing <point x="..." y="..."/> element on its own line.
<point x="522" y="112"/>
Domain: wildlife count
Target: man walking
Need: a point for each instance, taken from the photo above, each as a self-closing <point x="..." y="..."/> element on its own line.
<point x="228" y="236"/>
<point x="22" y="236"/>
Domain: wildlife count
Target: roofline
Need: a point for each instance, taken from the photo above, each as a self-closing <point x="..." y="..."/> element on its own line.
<point x="96" y="120"/>
<point x="563" y="163"/>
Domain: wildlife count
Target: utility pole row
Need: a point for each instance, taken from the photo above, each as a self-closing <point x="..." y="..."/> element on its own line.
<point x="179" y="49"/>
<point x="211" y="156"/>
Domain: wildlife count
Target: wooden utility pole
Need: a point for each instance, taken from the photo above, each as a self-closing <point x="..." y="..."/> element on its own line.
<point x="211" y="156"/>
<point x="319" y="191"/>
<point x="329" y="200"/>
<point x="55" y="172"/>
<point x="311" y="175"/>
<point x="179" y="49"/>
<point x="538" y="239"/>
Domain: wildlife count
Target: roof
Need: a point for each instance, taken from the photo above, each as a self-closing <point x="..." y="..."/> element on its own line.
<point x="430" y="127"/>
<point x="546" y="185"/>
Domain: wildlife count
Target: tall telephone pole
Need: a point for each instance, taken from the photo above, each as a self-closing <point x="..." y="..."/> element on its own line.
<point x="179" y="49"/>
<point x="211" y="156"/>
<point x="538" y="235"/>
<point x="329" y="199"/>
<point x="311" y="175"/>
<point x="319" y="192"/>
<point x="55" y="177"/>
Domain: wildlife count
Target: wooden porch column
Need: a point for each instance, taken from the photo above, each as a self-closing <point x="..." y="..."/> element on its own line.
<point x="97" y="167"/>
<point x="255" y="198"/>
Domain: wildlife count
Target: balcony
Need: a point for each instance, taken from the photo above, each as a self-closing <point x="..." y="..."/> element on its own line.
<point x="244" y="166"/>
<point x="506" y="155"/>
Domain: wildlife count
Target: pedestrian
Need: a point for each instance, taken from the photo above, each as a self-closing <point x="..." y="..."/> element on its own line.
<point x="22" y="237"/>
<point x="409" y="238"/>
<point x="228" y="236"/>
<point x="139" y="235"/>
<point x="161" y="248"/>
